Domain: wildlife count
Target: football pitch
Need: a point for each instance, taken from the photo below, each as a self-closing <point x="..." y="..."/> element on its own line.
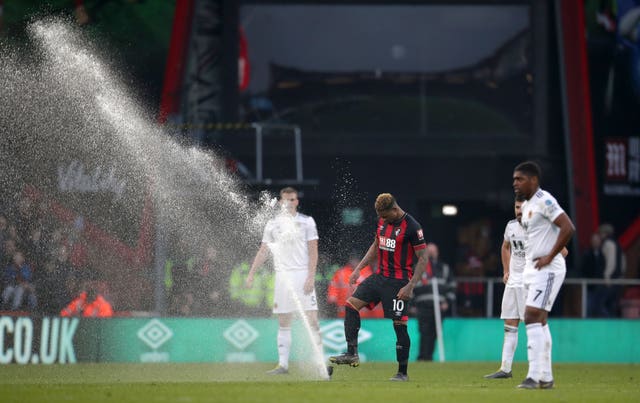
<point x="430" y="382"/>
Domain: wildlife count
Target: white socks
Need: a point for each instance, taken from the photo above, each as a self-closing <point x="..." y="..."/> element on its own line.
<point x="535" y="350"/>
<point x="547" y="374"/>
<point x="284" y="346"/>
<point x="509" y="347"/>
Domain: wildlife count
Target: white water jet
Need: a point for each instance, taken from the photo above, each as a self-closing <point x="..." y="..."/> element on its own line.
<point x="66" y="108"/>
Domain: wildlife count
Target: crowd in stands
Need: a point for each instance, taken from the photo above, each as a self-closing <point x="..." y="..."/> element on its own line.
<point x="44" y="262"/>
<point x="45" y="271"/>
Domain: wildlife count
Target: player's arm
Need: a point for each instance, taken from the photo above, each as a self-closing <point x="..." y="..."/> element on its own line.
<point x="608" y="251"/>
<point x="505" y="255"/>
<point x="258" y="261"/>
<point x="566" y="232"/>
<point x="368" y="260"/>
<point x="406" y="292"/>
<point x="313" y="264"/>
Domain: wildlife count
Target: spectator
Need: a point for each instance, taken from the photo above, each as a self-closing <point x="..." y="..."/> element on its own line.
<point x="254" y="301"/>
<point x="57" y="284"/>
<point x="18" y="285"/>
<point x="340" y="290"/>
<point x="36" y="247"/>
<point x="474" y="259"/>
<point x="592" y="267"/>
<point x="608" y="295"/>
<point x="82" y="17"/>
<point x="178" y="276"/>
<point x="424" y="300"/>
<point x="89" y="304"/>
<point x="471" y="301"/>
<point x="13" y="234"/>
<point x="210" y="281"/>
<point x="23" y="218"/>
<point x="3" y="232"/>
<point x="10" y="249"/>
<point x="77" y="245"/>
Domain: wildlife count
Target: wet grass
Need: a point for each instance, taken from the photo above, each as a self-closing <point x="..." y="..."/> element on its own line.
<point x="430" y="382"/>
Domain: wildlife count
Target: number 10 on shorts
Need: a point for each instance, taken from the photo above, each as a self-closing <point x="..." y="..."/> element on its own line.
<point x="398" y="305"/>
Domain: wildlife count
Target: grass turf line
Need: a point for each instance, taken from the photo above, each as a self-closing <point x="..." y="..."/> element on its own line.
<point x="368" y="383"/>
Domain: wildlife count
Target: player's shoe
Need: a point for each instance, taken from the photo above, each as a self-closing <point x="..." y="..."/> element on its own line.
<point x="278" y="371"/>
<point x="546" y="384"/>
<point x="399" y="377"/>
<point x="499" y="375"/>
<point x="346" y="358"/>
<point x="529" y="384"/>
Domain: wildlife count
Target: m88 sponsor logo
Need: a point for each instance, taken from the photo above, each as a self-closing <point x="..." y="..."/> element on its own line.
<point x="387" y="243"/>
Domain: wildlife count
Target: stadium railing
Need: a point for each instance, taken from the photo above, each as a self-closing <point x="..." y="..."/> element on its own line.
<point x="632" y="303"/>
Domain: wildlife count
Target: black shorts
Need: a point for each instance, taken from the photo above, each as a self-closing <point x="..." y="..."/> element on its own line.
<point x="377" y="288"/>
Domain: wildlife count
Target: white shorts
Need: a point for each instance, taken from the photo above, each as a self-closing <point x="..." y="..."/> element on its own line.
<point x="289" y="293"/>
<point x="513" y="303"/>
<point x="542" y="287"/>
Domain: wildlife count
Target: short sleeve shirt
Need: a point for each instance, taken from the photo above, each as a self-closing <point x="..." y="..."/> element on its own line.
<point x="288" y="239"/>
<point x="397" y="243"/>
<point x="538" y="214"/>
<point x="515" y="235"/>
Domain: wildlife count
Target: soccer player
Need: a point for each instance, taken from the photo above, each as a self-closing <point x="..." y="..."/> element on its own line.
<point x="399" y="256"/>
<point x="548" y="229"/>
<point x="512" y="254"/>
<point x="292" y="239"/>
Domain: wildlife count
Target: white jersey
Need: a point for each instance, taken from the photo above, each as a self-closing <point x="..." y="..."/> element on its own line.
<point x="514" y="234"/>
<point x="287" y="237"/>
<point x="538" y="214"/>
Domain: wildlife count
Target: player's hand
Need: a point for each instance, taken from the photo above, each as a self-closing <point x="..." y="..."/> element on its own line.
<point x="505" y="277"/>
<point x="542" y="261"/>
<point x="308" y="286"/>
<point x="406" y="292"/>
<point x="248" y="283"/>
<point x="354" y="277"/>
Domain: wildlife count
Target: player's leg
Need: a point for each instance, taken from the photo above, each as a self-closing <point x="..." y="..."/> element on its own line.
<point x="540" y="297"/>
<point x="546" y="377"/>
<point x="282" y="309"/>
<point x="284" y="344"/>
<point x="403" y="345"/>
<point x="367" y="292"/>
<point x="534" y="317"/>
<point x="509" y="344"/>
<point x="512" y="311"/>
<point x="351" y="329"/>
<point x="396" y="309"/>
<point x="312" y="318"/>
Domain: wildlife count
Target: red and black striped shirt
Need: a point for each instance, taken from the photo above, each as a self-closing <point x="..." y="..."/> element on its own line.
<point x="397" y="243"/>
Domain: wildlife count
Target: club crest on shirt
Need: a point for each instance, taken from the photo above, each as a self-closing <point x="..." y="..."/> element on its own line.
<point x="398" y="231"/>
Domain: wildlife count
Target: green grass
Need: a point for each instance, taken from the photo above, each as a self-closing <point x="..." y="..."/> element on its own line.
<point x="430" y="382"/>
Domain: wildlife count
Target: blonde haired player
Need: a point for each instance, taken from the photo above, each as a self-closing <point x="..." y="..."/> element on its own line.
<point x="292" y="239"/>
